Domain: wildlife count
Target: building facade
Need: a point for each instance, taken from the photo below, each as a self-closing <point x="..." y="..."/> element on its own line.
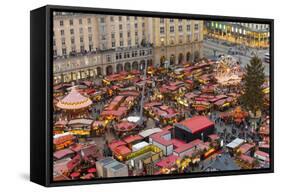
<point x="250" y="34"/>
<point x="89" y="45"/>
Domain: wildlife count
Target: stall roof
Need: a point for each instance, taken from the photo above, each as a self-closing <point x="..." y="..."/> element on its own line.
<point x="246" y="147"/>
<point x="235" y="143"/>
<point x="80" y="121"/>
<point x="139" y="146"/>
<point x="187" y="146"/>
<point x="62" y="153"/>
<point x="132" y="138"/>
<point x="167" y="162"/>
<point x="122" y="150"/>
<point x="195" y="124"/>
<point x="149" y="132"/>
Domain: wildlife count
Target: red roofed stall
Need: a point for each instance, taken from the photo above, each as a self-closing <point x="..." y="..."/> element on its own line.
<point x="198" y="127"/>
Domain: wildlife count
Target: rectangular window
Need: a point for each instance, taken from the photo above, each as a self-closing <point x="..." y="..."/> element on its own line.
<point x="121" y="35"/>
<point x="172" y="29"/>
<point x="188" y="27"/>
<point x="89" y="29"/>
<point x="129" y="34"/>
<point x="90" y="38"/>
<point x="81" y="40"/>
<point x="136" y="25"/>
<point x="89" y="20"/>
<point x="120" y="18"/>
<point x="180" y="28"/>
<point x="81" y="30"/>
<point x="62" y="32"/>
<point x="80" y="21"/>
<point x="111" y="18"/>
<point x="112" y="35"/>
<point x="72" y="40"/>
<point x="162" y="30"/>
<point x="161" y="20"/>
<point x="71" y="31"/>
<point x="196" y="27"/>
<point x="61" y="22"/>
<point x="71" y="22"/>
<point x="121" y="43"/>
<point x="120" y="27"/>
<point x="64" y="51"/>
<point x="113" y="44"/>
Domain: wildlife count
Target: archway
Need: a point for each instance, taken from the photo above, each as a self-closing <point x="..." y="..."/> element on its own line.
<point x="196" y="56"/>
<point x="172" y="59"/>
<point x="109" y="70"/>
<point x="162" y="60"/>
<point x="99" y="71"/>
<point x="142" y="65"/>
<point x="127" y="67"/>
<point x="135" y="65"/>
<point x="180" y="59"/>
<point x="119" y="68"/>
<point x="187" y="56"/>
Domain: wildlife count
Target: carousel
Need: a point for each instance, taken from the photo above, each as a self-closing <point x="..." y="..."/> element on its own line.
<point x="228" y="71"/>
<point x="74" y="105"/>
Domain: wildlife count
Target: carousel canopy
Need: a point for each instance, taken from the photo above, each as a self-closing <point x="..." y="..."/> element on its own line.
<point x="74" y="101"/>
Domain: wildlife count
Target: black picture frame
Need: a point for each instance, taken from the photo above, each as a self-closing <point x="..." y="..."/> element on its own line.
<point x="41" y="22"/>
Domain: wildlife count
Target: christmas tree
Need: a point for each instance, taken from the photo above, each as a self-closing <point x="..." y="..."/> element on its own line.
<point x="253" y="97"/>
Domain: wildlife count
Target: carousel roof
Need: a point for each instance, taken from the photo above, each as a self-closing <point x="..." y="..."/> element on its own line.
<point x="74" y="100"/>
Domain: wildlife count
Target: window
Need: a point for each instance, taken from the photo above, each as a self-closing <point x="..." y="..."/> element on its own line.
<point x="188" y="27"/>
<point x="80" y="30"/>
<point x="54" y="42"/>
<point x="81" y="40"/>
<point x="64" y="51"/>
<point x="82" y="49"/>
<point x="89" y="29"/>
<point x="90" y="38"/>
<point x="128" y="18"/>
<point x="102" y="19"/>
<point x="162" y="30"/>
<point x="136" y="33"/>
<point x="136" y="25"/>
<point x="91" y="47"/>
<point x="80" y="21"/>
<point x="121" y="43"/>
<point x="180" y="20"/>
<point x="120" y="18"/>
<point x="143" y="24"/>
<point x="112" y="35"/>
<point x="196" y="27"/>
<point x="172" y="29"/>
<point x="171" y="20"/>
<point x="111" y="18"/>
<point x="62" y="32"/>
<point x="113" y="44"/>
<point x="89" y="20"/>
<point x="121" y="35"/>
<point x="120" y="27"/>
<point x="61" y="22"/>
<point x="72" y="40"/>
<point x="129" y="42"/>
<point x="129" y="34"/>
<point x="180" y="28"/>
<point x="108" y="58"/>
<point x="136" y="18"/>
<point x="71" y="31"/>
<point x="161" y="20"/>
<point x="71" y="22"/>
